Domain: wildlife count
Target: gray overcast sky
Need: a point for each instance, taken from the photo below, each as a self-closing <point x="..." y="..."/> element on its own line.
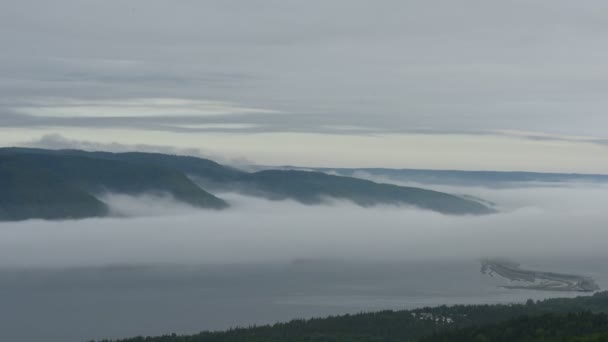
<point x="465" y="84"/>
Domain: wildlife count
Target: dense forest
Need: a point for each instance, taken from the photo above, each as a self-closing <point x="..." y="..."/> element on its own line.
<point x="571" y="327"/>
<point x="531" y="321"/>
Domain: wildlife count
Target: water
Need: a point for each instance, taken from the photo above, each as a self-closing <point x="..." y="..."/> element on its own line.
<point x="72" y="305"/>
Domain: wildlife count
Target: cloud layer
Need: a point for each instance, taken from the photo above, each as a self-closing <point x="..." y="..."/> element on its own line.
<point x="452" y="79"/>
<point x="393" y="65"/>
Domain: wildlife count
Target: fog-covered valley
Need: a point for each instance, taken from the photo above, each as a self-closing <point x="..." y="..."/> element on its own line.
<point x="564" y="221"/>
<point x="170" y="267"/>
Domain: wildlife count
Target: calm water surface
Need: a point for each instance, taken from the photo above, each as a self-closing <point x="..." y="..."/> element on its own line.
<point x="91" y="303"/>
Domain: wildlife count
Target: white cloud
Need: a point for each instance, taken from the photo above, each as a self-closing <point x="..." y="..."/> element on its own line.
<point x="143" y="107"/>
<point x="226" y="126"/>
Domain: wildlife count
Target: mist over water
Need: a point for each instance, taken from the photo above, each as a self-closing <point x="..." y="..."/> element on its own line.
<point x="550" y="222"/>
<point x="166" y="267"/>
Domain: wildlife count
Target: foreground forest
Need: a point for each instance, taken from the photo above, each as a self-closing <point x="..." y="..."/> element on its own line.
<point x="578" y="319"/>
<point x="571" y="327"/>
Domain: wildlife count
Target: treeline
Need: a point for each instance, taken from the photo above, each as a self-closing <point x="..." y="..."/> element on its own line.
<point x="414" y="325"/>
<point x="571" y="327"/>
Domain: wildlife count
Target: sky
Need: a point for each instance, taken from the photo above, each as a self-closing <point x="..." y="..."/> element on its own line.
<point x="492" y="85"/>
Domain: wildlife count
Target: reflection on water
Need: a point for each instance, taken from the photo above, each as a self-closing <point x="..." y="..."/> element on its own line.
<point x="80" y="304"/>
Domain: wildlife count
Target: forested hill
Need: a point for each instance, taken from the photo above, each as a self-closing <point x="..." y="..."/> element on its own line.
<point x="53" y="184"/>
<point x="64" y="186"/>
<point x="426" y="324"/>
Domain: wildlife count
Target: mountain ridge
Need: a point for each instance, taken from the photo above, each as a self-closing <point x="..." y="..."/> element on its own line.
<point x="187" y="179"/>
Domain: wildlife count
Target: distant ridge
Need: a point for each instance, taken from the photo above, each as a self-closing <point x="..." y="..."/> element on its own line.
<point x="62" y="184"/>
<point x="456" y="177"/>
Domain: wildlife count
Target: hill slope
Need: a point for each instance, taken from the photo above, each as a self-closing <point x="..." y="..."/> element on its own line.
<point x="29" y="193"/>
<point x="136" y="173"/>
<point x="310" y="187"/>
<point x="63" y="186"/>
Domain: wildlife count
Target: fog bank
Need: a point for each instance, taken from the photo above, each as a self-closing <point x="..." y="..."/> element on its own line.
<point x="566" y="222"/>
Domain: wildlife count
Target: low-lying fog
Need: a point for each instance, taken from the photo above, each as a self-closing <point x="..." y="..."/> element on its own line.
<point x="565" y="221"/>
<point x="178" y="269"/>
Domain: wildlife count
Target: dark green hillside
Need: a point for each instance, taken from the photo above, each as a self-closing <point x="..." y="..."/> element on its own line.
<point x="430" y="323"/>
<point x="310" y="187"/>
<point x="206" y="169"/>
<point x="137" y="172"/>
<point x="99" y="175"/>
<point x="63" y="186"/>
<point x="30" y="193"/>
